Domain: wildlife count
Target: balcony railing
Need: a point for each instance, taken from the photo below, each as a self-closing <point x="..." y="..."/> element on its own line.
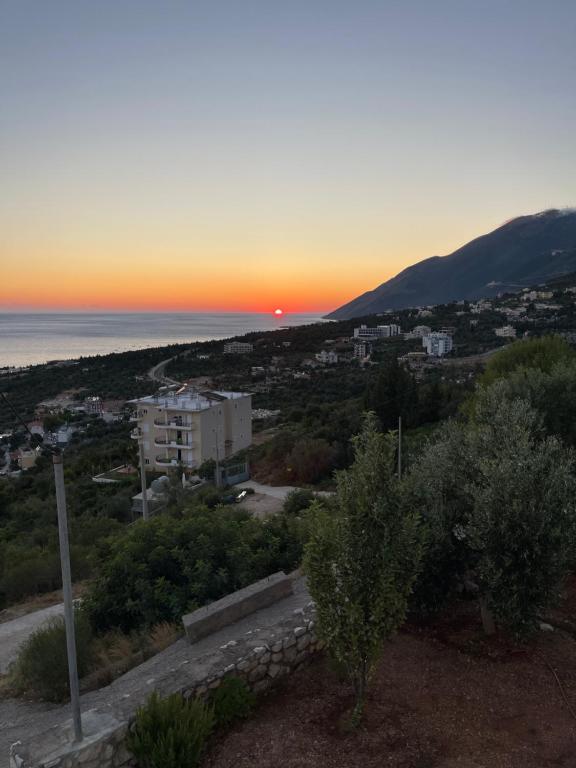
<point x="171" y="443"/>
<point x="172" y="425"/>
<point x="166" y="460"/>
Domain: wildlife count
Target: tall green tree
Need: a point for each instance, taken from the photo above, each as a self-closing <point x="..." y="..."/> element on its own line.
<point x="362" y="559"/>
<point x="522" y="522"/>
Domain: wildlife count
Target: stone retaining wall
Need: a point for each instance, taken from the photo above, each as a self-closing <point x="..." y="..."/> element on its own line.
<point x="259" y="656"/>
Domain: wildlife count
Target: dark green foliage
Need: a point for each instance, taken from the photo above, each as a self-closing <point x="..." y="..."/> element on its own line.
<point x="394" y="394"/>
<point x="362" y="559"/>
<point x="207" y="470"/>
<point x="543" y="353"/>
<point x="170" y="732"/>
<point x="297" y="501"/>
<point x="437" y="488"/>
<point x="41" y="668"/>
<point x="161" y="569"/>
<point x="232" y="701"/>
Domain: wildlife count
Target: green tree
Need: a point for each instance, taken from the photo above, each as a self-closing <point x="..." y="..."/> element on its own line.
<point x="362" y="559"/>
<point x="542" y="353"/>
<point x="522" y="522"/>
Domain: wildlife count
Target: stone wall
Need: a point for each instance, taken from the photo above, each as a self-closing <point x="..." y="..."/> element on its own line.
<point x="260" y="655"/>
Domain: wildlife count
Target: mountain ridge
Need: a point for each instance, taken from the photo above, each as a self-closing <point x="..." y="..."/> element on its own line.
<point x="521" y="252"/>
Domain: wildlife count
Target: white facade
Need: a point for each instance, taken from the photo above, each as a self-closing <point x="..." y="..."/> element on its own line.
<point x="237" y="348"/>
<point x="190" y="427"/>
<point x="437" y="344"/>
<point x="362" y="350"/>
<point x="377" y="332"/>
<point x="418" y="332"/>
<point x="327" y="356"/>
<point x="506" y="332"/>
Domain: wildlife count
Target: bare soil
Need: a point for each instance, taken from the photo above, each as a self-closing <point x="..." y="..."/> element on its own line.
<point x="442" y="697"/>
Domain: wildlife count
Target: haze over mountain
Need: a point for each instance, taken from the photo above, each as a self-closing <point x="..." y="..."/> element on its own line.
<point x="522" y="252"/>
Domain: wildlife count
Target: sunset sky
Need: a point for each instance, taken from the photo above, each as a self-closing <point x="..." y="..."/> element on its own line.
<point x="242" y="155"/>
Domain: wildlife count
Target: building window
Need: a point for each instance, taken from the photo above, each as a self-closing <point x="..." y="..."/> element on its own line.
<point x="147" y="461"/>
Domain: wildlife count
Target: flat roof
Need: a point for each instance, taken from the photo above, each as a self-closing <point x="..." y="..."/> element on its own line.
<point x="189" y="400"/>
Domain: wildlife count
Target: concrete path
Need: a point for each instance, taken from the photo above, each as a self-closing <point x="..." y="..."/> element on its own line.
<point x="13" y="633"/>
<point x="277" y="491"/>
<point x="168" y="670"/>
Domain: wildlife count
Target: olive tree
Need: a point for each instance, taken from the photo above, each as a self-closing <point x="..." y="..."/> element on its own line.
<point x="521" y="527"/>
<point x="362" y="559"/>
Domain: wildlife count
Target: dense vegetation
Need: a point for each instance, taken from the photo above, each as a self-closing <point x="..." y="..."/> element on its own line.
<point x="29" y="559"/>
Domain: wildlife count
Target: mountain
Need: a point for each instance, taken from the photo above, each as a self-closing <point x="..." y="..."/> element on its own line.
<point x="523" y="252"/>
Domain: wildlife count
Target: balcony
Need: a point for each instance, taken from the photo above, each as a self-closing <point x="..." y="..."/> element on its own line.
<point x="172" y="425"/>
<point x="171" y="443"/>
<point x="166" y="460"/>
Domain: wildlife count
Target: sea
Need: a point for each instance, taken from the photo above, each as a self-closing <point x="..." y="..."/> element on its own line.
<point x="30" y="339"/>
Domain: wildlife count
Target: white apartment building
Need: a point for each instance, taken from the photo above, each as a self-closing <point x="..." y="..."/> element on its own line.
<point x="327" y="356"/>
<point x="189" y="427"/>
<point x="238" y="348"/>
<point x="437" y="344"/>
<point x="377" y="332"/>
<point x="506" y="332"/>
<point x="362" y="350"/>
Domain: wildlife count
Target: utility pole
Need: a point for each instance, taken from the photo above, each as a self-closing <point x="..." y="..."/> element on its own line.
<point x="217" y="460"/>
<point x="399" y="447"/>
<point x="145" y="515"/>
<point x="66" y="578"/>
<point x="137" y="435"/>
<point x="67" y="592"/>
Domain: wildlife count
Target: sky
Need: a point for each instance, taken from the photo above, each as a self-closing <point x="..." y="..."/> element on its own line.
<point x="247" y="155"/>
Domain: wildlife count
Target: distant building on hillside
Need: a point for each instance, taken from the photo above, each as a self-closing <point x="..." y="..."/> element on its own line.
<point x="327" y="356"/>
<point x="238" y="348"/>
<point x="376" y="332"/>
<point x="506" y="332"/>
<point x="418" y="332"/>
<point x="93" y="405"/>
<point x="362" y="350"/>
<point x="189" y="427"/>
<point x="437" y="344"/>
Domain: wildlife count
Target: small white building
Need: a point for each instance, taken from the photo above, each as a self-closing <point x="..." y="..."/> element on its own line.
<point x="328" y="357"/>
<point x="437" y="344"/>
<point x="506" y="332"/>
<point x="362" y="350"/>
<point x="377" y="332"/>
<point x="238" y="348"/>
<point x="418" y="332"/>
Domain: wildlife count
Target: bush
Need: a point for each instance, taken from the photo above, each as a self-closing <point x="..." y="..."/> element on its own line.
<point x="297" y="500"/>
<point x="171" y="732"/>
<point x="41" y="668"/>
<point x="166" y="567"/>
<point x="232" y="701"/>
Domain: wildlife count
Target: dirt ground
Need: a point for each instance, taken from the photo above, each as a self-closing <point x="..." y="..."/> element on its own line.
<point x="442" y="697"/>
<point x="261" y="505"/>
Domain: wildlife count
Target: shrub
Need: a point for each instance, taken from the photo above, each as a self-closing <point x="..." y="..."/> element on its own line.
<point x="163" y="568"/>
<point x="297" y="500"/>
<point x="170" y="732"/>
<point x="41" y="668"/>
<point x="232" y="701"/>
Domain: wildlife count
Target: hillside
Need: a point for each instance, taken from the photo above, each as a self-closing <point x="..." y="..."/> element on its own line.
<point x="520" y="253"/>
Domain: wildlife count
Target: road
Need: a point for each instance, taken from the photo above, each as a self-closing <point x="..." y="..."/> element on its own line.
<point x="13" y="633"/>
<point x="157" y="372"/>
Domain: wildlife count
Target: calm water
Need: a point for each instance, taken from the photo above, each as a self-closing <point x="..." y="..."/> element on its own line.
<point x="28" y="339"/>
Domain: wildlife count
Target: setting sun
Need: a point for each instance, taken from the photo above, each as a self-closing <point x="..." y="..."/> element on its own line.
<point x="278" y="312"/>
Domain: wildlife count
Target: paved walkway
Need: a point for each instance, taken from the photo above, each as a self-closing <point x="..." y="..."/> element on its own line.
<point x="13" y="633"/>
<point x="168" y="670"/>
<point x="276" y="491"/>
